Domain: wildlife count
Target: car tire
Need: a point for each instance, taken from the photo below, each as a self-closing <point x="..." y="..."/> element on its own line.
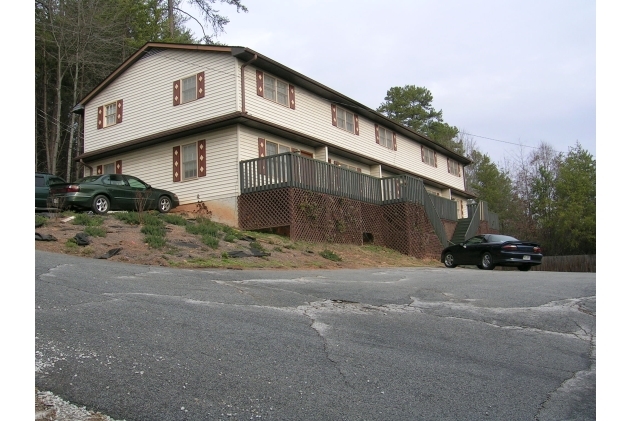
<point x="524" y="268"/>
<point x="164" y="204"/>
<point x="487" y="261"/>
<point x="101" y="204"/>
<point x="450" y="262"/>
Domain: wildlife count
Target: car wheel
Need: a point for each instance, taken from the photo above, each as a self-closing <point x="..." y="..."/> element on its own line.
<point x="487" y="261"/>
<point x="450" y="262"/>
<point x="524" y="268"/>
<point x="164" y="204"/>
<point x="101" y="204"/>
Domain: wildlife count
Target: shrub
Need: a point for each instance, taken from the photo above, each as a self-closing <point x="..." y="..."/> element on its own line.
<point x="71" y="244"/>
<point x="130" y="218"/>
<point x="204" y="226"/>
<point x="154" y="230"/>
<point x="87" y="220"/>
<point x="174" y="219"/>
<point x="95" y="231"/>
<point x="229" y="238"/>
<point x="40" y="220"/>
<point x="256" y="245"/>
<point x="328" y="254"/>
<point x="210" y="240"/>
<point x="155" y="241"/>
<point x="151" y="219"/>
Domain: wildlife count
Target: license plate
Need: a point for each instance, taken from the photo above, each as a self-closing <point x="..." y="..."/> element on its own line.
<point x="526" y="257"/>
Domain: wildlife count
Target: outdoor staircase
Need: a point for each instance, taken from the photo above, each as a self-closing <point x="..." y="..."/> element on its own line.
<point x="460" y="231"/>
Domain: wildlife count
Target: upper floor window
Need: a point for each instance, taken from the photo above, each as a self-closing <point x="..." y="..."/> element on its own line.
<point x="189" y="88"/>
<point x="275" y="90"/>
<point x="344" y="119"/>
<point x="110" y="114"/>
<point x="429" y="156"/>
<point x="385" y="137"/>
<point x="453" y="167"/>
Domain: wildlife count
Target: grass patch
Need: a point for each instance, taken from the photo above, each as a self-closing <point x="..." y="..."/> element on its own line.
<point x="95" y="231"/>
<point x="204" y="226"/>
<point x="155" y="241"/>
<point x="87" y="220"/>
<point x="131" y="218"/>
<point x="39" y="219"/>
<point x="278" y="249"/>
<point x="174" y="219"/>
<point x="230" y="238"/>
<point x="257" y="246"/>
<point x="210" y="240"/>
<point x="154" y="230"/>
<point x="71" y="244"/>
<point x="328" y="254"/>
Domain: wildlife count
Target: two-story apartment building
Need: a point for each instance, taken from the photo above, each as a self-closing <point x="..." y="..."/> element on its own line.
<point x="264" y="146"/>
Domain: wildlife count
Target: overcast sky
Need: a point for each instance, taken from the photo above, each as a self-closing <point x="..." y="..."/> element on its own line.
<point x="514" y="71"/>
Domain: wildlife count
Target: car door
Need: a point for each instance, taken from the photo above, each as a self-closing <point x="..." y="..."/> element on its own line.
<point x="143" y="196"/>
<point x="120" y="193"/>
<point x="472" y="248"/>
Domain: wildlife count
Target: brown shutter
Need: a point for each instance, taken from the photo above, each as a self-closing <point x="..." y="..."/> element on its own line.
<point x="377" y="133"/>
<point x="459" y="172"/>
<point x="423" y="153"/>
<point x="449" y="165"/>
<point x="99" y="118"/>
<point x="359" y="170"/>
<point x="99" y="169"/>
<point x="292" y="97"/>
<point x="261" y="163"/>
<point x="201" y="158"/>
<point x="259" y="83"/>
<point x="334" y="114"/>
<point x="176" y="93"/>
<point x="176" y="164"/>
<point x="435" y="159"/>
<point x="119" y="166"/>
<point x="119" y="111"/>
<point x="201" y="85"/>
<point x="356" y="118"/>
<point x="394" y="140"/>
<point x="329" y="160"/>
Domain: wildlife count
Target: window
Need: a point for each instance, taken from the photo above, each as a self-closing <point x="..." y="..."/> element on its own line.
<point x="189" y="88"/>
<point x="385" y="137"/>
<point x="189" y="161"/>
<point x="429" y="156"/>
<point x="453" y="167"/>
<point x="110" y="114"/>
<point x="275" y="90"/>
<point x="109" y="168"/>
<point x="272" y="148"/>
<point x="345" y="120"/>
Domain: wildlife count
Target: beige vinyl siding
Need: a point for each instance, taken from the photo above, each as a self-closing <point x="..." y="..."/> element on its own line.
<point x="312" y="117"/>
<point x="154" y="166"/>
<point x="365" y="168"/>
<point x="248" y="142"/>
<point x="147" y="91"/>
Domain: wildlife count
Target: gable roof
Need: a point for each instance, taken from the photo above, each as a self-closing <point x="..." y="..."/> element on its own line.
<point x="267" y="64"/>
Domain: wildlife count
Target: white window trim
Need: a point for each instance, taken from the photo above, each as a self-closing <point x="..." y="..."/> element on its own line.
<point x="275" y="99"/>
<point x="385" y="144"/>
<point x="339" y="111"/>
<point x="183" y="169"/>
<point x="105" y="115"/>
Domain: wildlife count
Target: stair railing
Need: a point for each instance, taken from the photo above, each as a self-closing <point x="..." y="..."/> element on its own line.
<point x="474" y="224"/>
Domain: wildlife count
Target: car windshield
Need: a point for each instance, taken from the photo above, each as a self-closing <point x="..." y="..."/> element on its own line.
<point x="500" y="238"/>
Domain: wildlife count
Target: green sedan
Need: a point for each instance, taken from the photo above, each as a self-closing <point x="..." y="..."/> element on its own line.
<point x="103" y="193"/>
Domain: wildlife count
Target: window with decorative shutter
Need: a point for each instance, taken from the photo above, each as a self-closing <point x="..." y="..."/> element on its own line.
<point x="344" y="119"/>
<point x="276" y="90"/>
<point x="109" y="114"/>
<point x="453" y="167"/>
<point x="428" y="156"/>
<point x="189" y="88"/>
<point x="99" y="169"/>
<point x="385" y="137"/>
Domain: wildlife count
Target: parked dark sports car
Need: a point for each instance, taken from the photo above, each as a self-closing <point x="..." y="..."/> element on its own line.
<point x="489" y="250"/>
<point x="102" y="193"/>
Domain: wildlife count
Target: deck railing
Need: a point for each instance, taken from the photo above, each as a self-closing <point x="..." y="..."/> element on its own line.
<point x="292" y="170"/>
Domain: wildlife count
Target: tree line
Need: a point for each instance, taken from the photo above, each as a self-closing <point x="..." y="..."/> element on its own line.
<point x="543" y="195"/>
<point x="78" y="43"/>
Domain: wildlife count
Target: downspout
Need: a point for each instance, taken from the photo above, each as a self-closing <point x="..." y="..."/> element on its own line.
<point x="85" y="165"/>
<point x="243" y="82"/>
